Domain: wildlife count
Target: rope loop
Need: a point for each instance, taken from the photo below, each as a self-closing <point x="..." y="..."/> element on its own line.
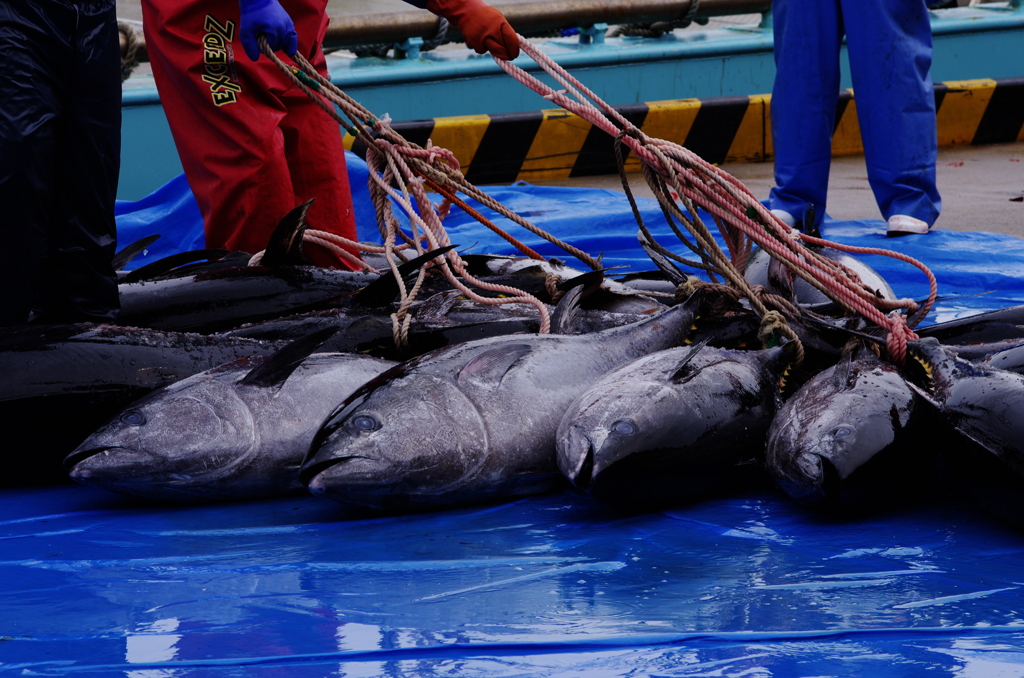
<point x="551" y="286"/>
<point x="130" y="44"/>
<point x="773" y="326"/>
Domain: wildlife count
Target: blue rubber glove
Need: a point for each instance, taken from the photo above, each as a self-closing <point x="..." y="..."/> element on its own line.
<point x="266" y="16"/>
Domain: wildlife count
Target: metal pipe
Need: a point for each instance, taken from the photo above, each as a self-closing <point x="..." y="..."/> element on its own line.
<point x="530" y="18"/>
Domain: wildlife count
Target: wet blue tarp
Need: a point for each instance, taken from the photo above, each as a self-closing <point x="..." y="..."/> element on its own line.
<point x="967" y="264"/>
<point x="93" y="584"/>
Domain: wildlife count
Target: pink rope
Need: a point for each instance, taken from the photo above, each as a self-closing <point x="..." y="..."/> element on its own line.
<point x="727" y="200"/>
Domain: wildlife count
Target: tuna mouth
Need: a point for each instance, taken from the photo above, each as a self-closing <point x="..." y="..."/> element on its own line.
<point x="78" y="456"/>
<point x="586" y="470"/>
<point x="575" y="457"/>
<point x="311" y="470"/>
<point x="818" y="482"/>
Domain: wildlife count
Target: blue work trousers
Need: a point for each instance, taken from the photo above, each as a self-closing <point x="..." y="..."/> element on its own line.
<point x="890" y="50"/>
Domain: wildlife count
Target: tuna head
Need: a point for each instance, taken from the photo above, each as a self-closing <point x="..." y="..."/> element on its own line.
<point x="404" y="440"/>
<point x="673" y="426"/>
<point x="605" y="426"/>
<point x="854" y="438"/>
<point x="172" y="445"/>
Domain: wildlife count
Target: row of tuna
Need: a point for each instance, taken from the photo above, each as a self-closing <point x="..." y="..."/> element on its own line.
<point x="641" y="402"/>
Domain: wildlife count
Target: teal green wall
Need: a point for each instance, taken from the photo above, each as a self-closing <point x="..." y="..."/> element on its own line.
<point x="970" y="43"/>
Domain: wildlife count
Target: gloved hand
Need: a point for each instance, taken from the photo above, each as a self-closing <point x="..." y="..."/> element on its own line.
<point x="266" y="16"/>
<point x="485" y="28"/>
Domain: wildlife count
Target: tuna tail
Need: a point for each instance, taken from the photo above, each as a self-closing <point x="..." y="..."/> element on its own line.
<point x="122" y="258"/>
<point x="383" y="291"/>
<point x="285" y="245"/>
<point x="565" y="318"/>
<point x="278" y="367"/>
<point x="169" y="263"/>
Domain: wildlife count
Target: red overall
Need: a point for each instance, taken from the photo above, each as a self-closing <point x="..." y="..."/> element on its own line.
<point x="253" y="146"/>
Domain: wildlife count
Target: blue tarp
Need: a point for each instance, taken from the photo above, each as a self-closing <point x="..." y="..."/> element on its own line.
<point x="94" y="584"/>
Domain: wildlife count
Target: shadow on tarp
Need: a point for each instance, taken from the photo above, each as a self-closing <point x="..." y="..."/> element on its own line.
<point x="555" y="585"/>
<point x="976" y="271"/>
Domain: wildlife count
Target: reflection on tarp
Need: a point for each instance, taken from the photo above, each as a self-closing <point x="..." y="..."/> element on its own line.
<point x="553" y="585"/>
<point x="557" y="585"/>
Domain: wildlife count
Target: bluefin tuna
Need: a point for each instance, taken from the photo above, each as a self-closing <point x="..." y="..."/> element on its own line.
<point x="673" y="426"/>
<point x="985" y="407"/>
<point x="61" y="382"/>
<point x="855" y="438"/>
<point x="471" y="422"/>
<point x="238" y="431"/>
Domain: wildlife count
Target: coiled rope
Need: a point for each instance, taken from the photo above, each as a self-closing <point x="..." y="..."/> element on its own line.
<point x="129" y="44"/>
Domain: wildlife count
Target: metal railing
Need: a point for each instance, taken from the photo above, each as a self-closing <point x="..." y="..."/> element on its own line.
<point x="531" y="18"/>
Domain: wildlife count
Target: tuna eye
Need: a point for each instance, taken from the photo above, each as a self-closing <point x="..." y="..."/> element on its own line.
<point x="624" y="428"/>
<point x="133" y="418"/>
<point x="842" y="432"/>
<point x="365" y="422"/>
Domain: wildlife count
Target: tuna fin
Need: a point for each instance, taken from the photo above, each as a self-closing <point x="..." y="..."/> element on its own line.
<point x="384" y="289"/>
<point x="169" y="263"/>
<point x="435" y="308"/>
<point x="835" y="325"/>
<point x="841" y="372"/>
<point x="285" y="245"/>
<point x="565" y="317"/>
<point x="232" y="259"/>
<point x="684" y="370"/>
<point x="129" y="252"/>
<point x="671" y="271"/>
<point x="488" y="368"/>
<point x="589" y="281"/>
<point x="277" y="368"/>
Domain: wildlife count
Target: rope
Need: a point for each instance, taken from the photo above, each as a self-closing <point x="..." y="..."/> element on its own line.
<point x="399" y="170"/>
<point x="461" y="204"/>
<point x="129" y="49"/>
<point x="740" y="218"/>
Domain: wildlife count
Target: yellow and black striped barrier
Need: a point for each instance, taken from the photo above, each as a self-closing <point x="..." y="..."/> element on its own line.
<point x="552" y="144"/>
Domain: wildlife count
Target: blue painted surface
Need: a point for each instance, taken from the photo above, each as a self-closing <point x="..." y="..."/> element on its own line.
<point x="969" y="43"/>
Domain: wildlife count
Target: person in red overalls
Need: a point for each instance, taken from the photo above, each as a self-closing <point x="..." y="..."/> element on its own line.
<point x="252" y="145"/>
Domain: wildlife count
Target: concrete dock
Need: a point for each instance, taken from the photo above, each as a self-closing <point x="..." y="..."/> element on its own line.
<point x="982" y="187"/>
